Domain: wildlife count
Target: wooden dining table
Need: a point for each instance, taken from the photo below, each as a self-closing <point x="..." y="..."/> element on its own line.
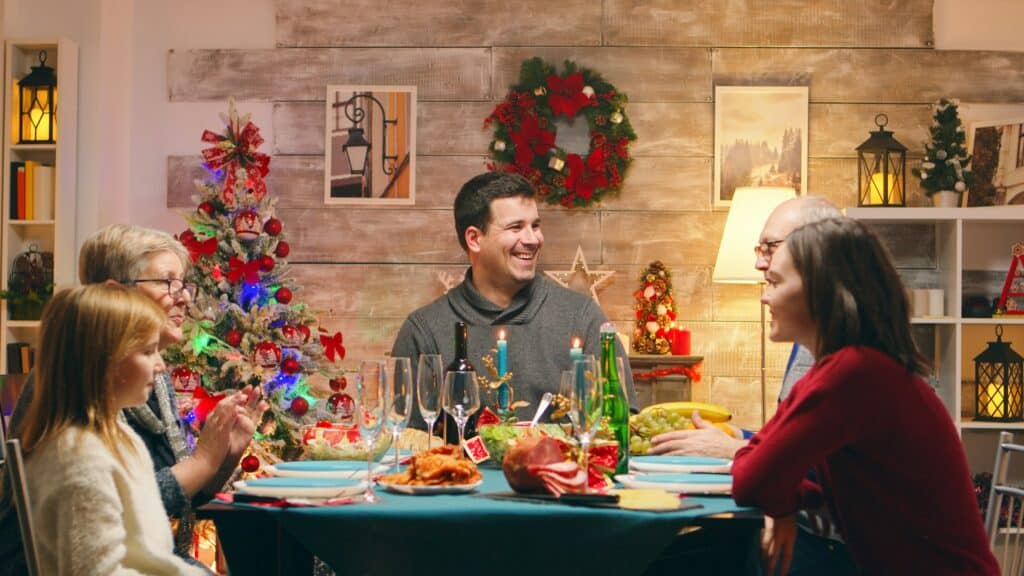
<point x="480" y="535"/>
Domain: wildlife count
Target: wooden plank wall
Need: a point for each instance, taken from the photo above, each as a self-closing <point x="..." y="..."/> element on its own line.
<point x="367" y="268"/>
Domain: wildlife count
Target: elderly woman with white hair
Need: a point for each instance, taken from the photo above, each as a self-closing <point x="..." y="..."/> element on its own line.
<point x="155" y="264"/>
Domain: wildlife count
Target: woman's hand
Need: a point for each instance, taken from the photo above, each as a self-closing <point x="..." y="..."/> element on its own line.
<point x="705" y="439"/>
<point x="214" y="441"/>
<point x="777" y="541"/>
<point x="249" y="407"/>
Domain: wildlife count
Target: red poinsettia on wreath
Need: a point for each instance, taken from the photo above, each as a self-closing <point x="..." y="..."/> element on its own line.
<point x="525" y="134"/>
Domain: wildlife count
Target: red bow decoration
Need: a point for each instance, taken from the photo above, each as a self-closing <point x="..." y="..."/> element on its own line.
<point x="198" y="248"/>
<point x="566" y="94"/>
<point x="206" y="403"/>
<point x="584" y="178"/>
<point x="531" y="139"/>
<point x="237" y="148"/>
<point x="332" y="346"/>
<point x="249" y="270"/>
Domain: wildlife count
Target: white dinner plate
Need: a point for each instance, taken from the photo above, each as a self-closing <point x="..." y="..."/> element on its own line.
<point x="679" y="464"/>
<point x="322" y="469"/>
<point x="681" y="483"/>
<point x="418" y="490"/>
<point x="300" y="487"/>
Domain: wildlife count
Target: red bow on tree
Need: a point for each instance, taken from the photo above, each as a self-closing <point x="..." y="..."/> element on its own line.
<point x="237" y="148"/>
<point x="249" y="270"/>
<point x="566" y="94"/>
<point x="584" y="178"/>
<point x="198" y="248"/>
<point x="531" y="139"/>
<point x="332" y="346"/>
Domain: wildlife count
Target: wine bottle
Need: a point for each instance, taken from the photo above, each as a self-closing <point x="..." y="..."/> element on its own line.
<point x="615" y="406"/>
<point x="460" y="363"/>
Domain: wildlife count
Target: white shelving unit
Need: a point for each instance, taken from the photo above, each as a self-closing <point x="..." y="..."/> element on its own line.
<point x="55" y="234"/>
<point x="965" y="251"/>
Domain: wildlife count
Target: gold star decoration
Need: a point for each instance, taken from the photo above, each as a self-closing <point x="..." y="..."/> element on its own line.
<point x="580" y="278"/>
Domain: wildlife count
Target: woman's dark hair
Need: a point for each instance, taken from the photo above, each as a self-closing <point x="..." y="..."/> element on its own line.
<point x="853" y="292"/>
<point x="473" y="203"/>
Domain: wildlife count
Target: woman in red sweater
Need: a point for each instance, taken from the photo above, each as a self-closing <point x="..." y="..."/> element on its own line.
<point x="885" y="454"/>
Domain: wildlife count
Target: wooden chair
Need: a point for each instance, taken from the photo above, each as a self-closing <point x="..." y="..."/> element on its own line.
<point x="16" y="475"/>
<point x="1007" y="540"/>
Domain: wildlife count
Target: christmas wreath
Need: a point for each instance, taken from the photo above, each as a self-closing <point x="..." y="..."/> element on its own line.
<point x="525" y="133"/>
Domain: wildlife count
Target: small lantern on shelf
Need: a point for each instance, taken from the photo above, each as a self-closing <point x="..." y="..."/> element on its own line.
<point x="998" y="371"/>
<point x="881" y="168"/>
<point x="37" y="101"/>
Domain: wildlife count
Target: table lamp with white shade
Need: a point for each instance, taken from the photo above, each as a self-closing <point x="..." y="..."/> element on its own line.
<point x="736" y="257"/>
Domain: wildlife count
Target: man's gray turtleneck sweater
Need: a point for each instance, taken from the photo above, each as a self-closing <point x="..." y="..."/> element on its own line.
<point x="539" y="324"/>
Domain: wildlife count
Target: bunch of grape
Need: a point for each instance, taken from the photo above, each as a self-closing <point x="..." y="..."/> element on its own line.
<point x="643" y="427"/>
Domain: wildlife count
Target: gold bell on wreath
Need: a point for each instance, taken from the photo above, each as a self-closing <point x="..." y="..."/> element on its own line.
<point x="30" y="284"/>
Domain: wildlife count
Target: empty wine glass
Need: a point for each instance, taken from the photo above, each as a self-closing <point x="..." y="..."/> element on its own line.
<point x="429" y="374"/>
<point x="461" y="399"/>
<point x="587" y="403"/>
<point x="371" y="405"/>
<point x="567" y="388"/>
<point x="399" y="398"/>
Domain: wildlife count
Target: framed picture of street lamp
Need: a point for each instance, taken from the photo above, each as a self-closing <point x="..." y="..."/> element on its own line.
<point x="760" y="139"/>
<point x="997" y="161"/>
<point x="370" y="145"/>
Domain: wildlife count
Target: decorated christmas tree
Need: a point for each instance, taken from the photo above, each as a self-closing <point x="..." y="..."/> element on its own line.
<point x="244" y="327"/>
<point x="946" y="164"/>
<point x="655" y="310"/>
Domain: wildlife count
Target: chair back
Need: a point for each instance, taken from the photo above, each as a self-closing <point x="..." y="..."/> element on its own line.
<point x="16" y="475"/>
<point x="1006" y="533"/>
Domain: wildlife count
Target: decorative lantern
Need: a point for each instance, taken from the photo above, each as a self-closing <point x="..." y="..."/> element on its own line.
<point x="37" y="101"/>
<point x="882" y="167"/>
<point x="998" y="372"/>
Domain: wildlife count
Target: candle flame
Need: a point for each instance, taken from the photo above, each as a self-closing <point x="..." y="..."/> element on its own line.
<point x="501" y="334"/>
<point x="576" y="342"/>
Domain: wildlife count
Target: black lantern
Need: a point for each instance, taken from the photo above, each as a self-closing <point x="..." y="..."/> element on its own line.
<point x="37" y="100"/>
<point x="357" y="148"/>
<point x="882" y="168"/>
<point x="998" y="371"/>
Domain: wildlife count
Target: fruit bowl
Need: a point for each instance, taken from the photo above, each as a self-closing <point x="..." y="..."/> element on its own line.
<point x="335" y="442"/>
<point x="496" y="437"/>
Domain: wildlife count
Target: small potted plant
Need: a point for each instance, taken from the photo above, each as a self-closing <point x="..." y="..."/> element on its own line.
<point x="30" y="285"/>
<point x="945" y="171"/>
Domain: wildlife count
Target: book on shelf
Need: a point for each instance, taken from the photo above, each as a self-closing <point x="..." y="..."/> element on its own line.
<point x="42" y="193"/>
<point x="19" y="358"/>
<point x="17" y="191"/>
<point x="30" y="186"/>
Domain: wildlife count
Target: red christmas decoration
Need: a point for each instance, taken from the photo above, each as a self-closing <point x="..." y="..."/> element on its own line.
<point x="341" y="404"/>
<point x="338" y="384"/>
<point x="235" y="149"/>
<point x="272" y="227"/>
<point x="233" y="338"/>
<point x="250" y="464"/>
<point x="266" y="263"/>
<point x="282" y="249"/>
<point x="299" y="406"/>
<point x="1011" y="300"/>
<point x="283" y="295"/>
<point x="205" y="208"/>
<point x="247" y="225"/>
<point x="238" y="269"/>
<point x="291" y="335"/>
<point x="184" y="379"/>
<point x="267" y="354"/>
<point x="304" y="330"/>
<point x="333" y="346"/>
<point x="290" y="366"/>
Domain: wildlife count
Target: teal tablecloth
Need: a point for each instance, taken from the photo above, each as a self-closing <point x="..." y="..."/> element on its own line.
<point x="460" y="534"/>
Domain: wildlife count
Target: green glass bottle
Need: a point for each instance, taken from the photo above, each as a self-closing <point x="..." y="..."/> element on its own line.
<point x="616" y="406"/>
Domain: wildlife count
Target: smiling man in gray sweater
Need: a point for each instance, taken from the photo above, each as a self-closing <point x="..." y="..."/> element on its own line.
<point x="498" y="225"/>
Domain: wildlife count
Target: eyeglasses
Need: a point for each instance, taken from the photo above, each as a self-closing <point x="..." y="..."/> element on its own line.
<point x="175" y="286"/>
<point x="766" y="249"/>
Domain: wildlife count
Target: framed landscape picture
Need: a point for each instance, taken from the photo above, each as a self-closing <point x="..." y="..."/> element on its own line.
<point x="760" y="139"/>
<point x="997" y="150"/>
<point x="370" y="145"/>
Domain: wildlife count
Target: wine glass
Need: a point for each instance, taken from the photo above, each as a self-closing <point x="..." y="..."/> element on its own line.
<point x="587" y="403"/>
<point x="461" y="399"/>
<point x="567" y="388"/>
<point x="429" y="373"/>
<point x="371" y="405"/>
<point x="399" y="398"/>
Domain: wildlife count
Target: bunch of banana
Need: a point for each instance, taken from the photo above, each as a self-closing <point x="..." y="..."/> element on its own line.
<point x="709" y="412"/>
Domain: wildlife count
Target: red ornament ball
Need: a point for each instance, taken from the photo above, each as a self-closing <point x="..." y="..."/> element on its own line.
<point x="338" y="384"/>
<point x="266" y="263"/>
<point x="290" y="366"/>
<point x="283" y="295"/>
<point x="206" y="208"/>
<point x="250" y="464"/>
<point x="282" y="249"/>
<point x="233" y="338"/>
<point x="304" y="330"/>
<point x="299" y="406"/>
<point x="247" y="225"/>
<point x="272" y="227"/>
<point x="341" y="404"/>
<point x="266" y="354"/>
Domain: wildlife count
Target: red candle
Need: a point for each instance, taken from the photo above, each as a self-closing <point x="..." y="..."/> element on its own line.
<point x="680" y="339"/>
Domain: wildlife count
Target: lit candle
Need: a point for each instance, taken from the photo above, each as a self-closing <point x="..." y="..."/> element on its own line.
<point x="502" y="369"/>
<point x="576" y="352"/>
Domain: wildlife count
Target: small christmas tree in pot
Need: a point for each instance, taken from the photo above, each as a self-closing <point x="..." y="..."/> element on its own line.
<point x="945" y="171"/>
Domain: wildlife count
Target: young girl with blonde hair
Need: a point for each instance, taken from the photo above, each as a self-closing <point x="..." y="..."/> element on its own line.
<point x="94" y="497"/>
